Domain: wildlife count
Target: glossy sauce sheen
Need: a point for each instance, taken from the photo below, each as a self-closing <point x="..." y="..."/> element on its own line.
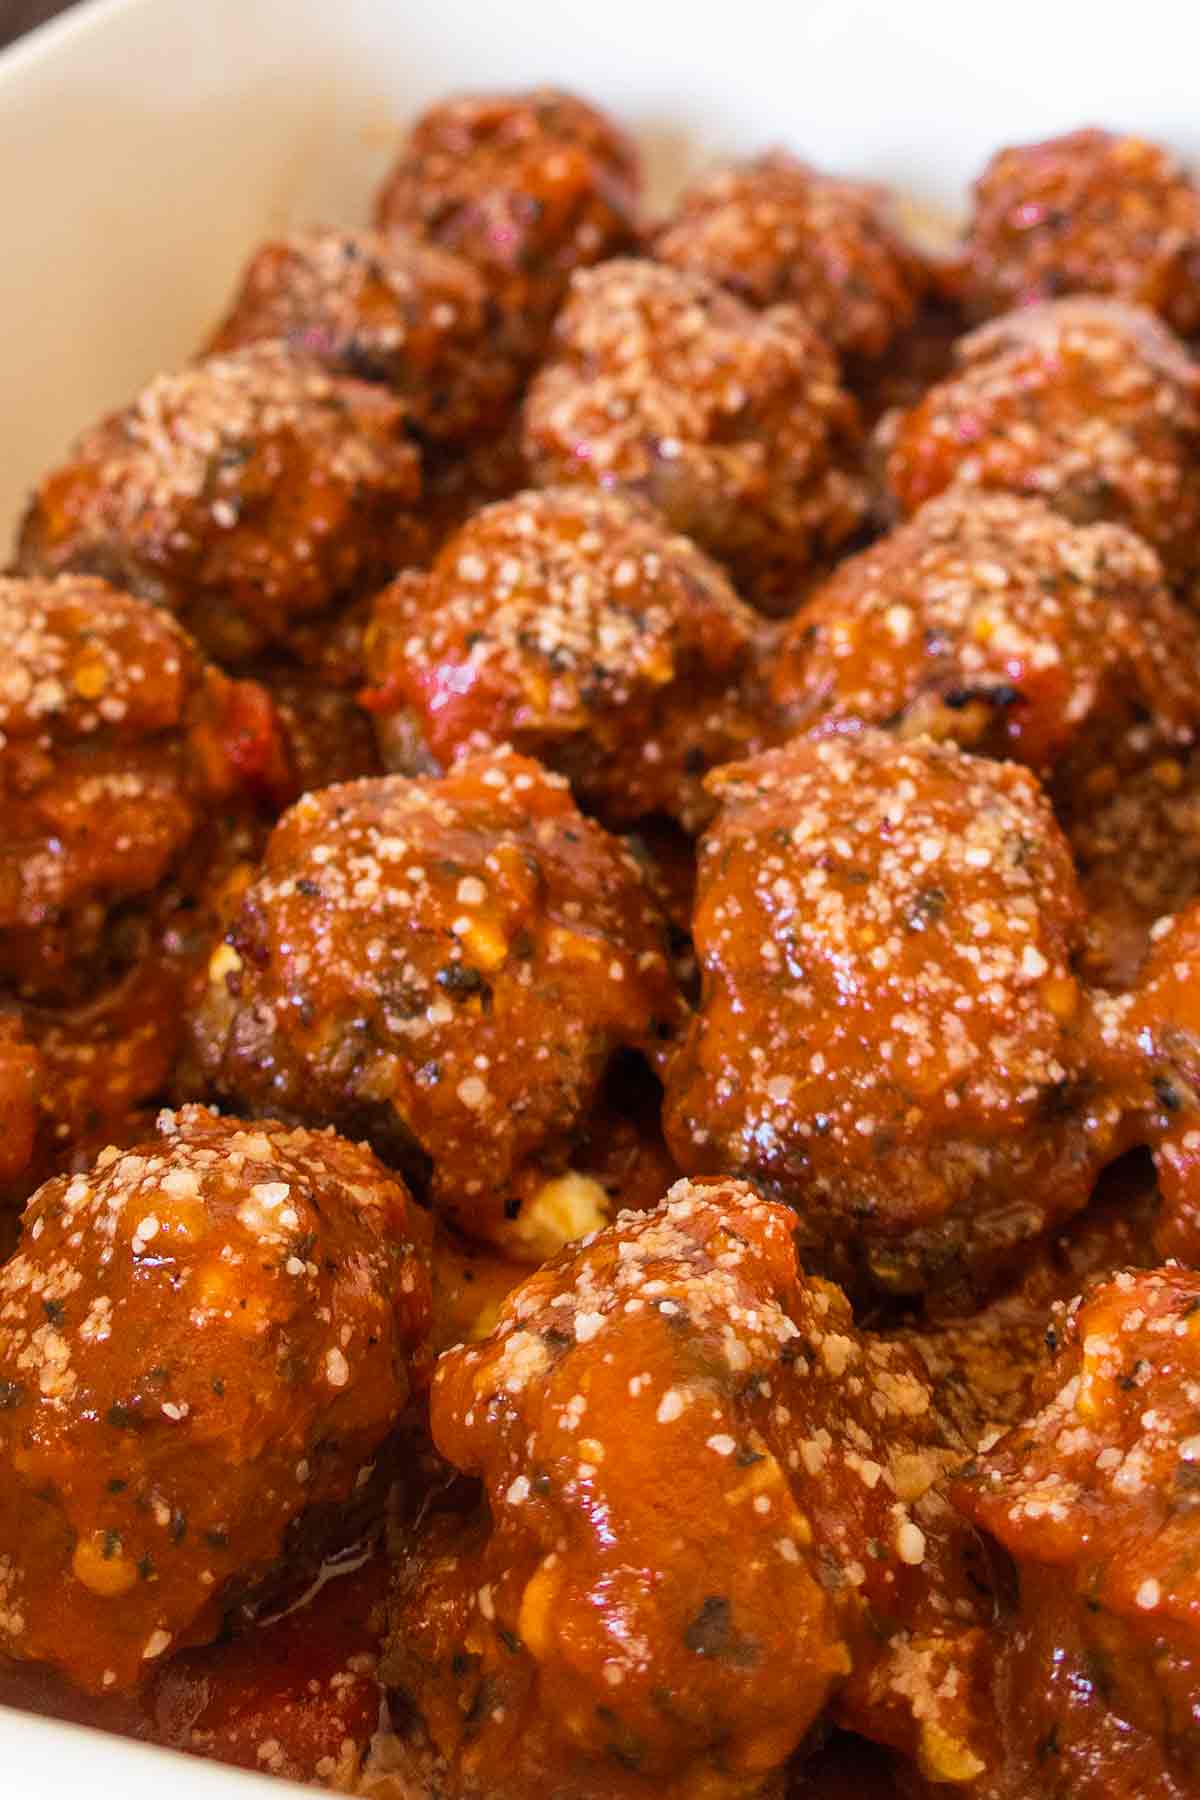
<point x="599" y="940"/>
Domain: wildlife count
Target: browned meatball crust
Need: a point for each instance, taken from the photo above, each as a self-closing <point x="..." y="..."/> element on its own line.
<point x="890" y="1033"/>
<point x="732" y="422"/>
<point x="443" y="966"/>
<point x="1090" y="212"/>
<point x="117" y="740"/>
<point x="245" y="494"/>
<point x="383" y="307"/>
<point x="577" y="627"/>
<point x="527" y="187"/>
<point x="773" y="229"/>
<point x="991" y="620"/>
<point x="200" y="1339"/>
<point x="708" y="1516"/>
<point x="1092" y="405"/>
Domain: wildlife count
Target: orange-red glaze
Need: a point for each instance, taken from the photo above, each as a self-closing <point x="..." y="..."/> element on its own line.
<point x="117" y="742"/>
<point x="445" y="967"/>
<point x="201" y="1339"/>
<point x="984" y="1354"/>
<point x="577" y="627"/>
<point x="1094" y="1497"/>
<point x="890" y="1032"/>
<point x="295" y="1697"/>
<point x="992" y="621"/>
<point x="298" y="1698"/>
<point x="708" y="1516"/>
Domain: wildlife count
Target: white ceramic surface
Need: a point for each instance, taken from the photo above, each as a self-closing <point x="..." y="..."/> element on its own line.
<point x="146" y="144"/>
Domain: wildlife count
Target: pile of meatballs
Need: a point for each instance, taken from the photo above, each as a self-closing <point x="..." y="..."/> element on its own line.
<point x="600" y="995"/>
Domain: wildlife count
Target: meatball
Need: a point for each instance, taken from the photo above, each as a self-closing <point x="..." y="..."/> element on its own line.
<point x="1093" y="1497"/>
<point x="1089" y="404"/>
<point x="774" y="229"/>
<point x="117" y="740"/>
<point x="674" y="1395"/>
<point x="991" y="620"/>
<point x="574" y="626"/>
<point x="730" y="421"/>
<point x="200" y="1339"/>
<point x="246" y="494"/>
<point x="1086" y="213"/>
<point x="526" y="187"/>
<point x="890" y="1035"/>
<point x="445" y="967"/>
<point x="383" y="308"/>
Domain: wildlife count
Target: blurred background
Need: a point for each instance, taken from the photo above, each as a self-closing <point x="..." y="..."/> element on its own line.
<point x="17" y="16"/>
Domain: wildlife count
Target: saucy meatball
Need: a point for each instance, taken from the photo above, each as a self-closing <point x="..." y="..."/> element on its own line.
<point x="245" y="494"/>
<point x="117" y="740"/>
<point x="991" y="620"/>
<point x="575" y="626"/>
<point x="674" y="1395"/>
<point x="890" y="1035"/>
<point x="445" y="967"/>
<point x="774" y="229"/>
<point x="1088" y="212"/>
<point x="1092" y="405"/>
<point x="200" y="1339"/>
<point x="384" y="308"/>
<point x="526" y="187"/>
<point x="1094" y="1498"/>
<point x="730" y="421"/>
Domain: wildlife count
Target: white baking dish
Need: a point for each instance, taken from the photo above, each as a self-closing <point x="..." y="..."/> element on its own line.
<point x="146" y="144"/>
